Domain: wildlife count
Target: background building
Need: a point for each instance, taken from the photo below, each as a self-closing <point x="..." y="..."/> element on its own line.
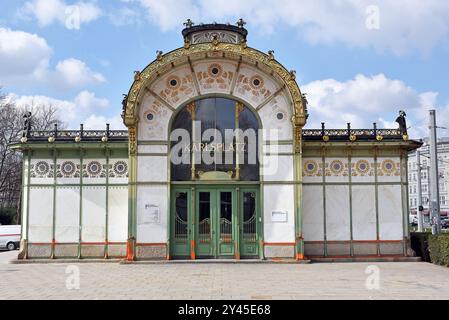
<point x="443" y="157"/>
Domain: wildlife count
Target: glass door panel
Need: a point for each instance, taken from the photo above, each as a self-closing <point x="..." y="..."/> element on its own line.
<point x="180" y="223"/>
<point x="249" y="229"/>
<point x="226" y="213"/>
<point x="205" y="243"/>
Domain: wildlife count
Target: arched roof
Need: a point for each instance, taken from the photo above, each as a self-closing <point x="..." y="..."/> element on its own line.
<point x="239" y="52"/>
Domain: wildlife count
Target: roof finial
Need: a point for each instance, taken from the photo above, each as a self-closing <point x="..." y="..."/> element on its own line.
<point x="189" y="23"/>
<point x="241" y="23"/>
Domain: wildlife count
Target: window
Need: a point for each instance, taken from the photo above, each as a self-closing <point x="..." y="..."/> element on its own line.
<point x="443" y="200"/>
<point x="215" y="148"/>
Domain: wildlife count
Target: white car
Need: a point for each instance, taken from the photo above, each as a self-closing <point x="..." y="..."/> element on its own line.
<point x="10" y="237"/>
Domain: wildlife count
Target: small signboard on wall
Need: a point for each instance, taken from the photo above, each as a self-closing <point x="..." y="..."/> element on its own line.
<point x="151" y="214"/>
<point x="279" y="216"/>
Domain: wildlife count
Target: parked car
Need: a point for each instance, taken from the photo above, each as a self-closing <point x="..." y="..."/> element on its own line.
<point x="445" y="222"/>
<point x="10" y="237"/>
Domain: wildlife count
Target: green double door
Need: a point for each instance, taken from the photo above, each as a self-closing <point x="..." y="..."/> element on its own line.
<point x="215" y="222"/>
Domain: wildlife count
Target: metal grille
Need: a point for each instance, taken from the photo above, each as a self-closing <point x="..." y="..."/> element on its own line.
<point x="204" y="231"/>
<point x="181" y="229"/>
<point x="249" y="230"/>
<point x="225" y="231"/>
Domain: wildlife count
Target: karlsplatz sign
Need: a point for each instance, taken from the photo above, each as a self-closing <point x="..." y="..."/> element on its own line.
<point x="229" y="146"/>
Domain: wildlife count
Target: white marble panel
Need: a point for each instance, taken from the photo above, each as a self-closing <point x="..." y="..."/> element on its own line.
<point x="67" y="214"/>
<point x="277" y="168"/>
<point x="93" y="214"/>
<point x="390" y="212"/>
<point x="118" y="214"/>
<point x="337" y="213"/>
<point x="153" y="149"/>
<point x="150" y="201"/>
<point x="279" y="198"/>
<point x="152" y="169"/>
<point x="278" y="148"/>
<point x="41" y="215"/>
<point x="313" y="213"/>
<point x="364" y="213"/>
<point x="277" y="115"/>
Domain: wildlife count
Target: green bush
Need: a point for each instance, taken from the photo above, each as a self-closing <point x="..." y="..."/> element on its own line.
<point x="439" y="249"/>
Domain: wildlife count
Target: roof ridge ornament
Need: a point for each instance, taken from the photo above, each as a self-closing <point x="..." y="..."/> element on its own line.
<point x="241" y="23"/>
<point x="189" y="24"/>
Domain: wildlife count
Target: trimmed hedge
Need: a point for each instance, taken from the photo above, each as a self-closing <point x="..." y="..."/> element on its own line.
<point x="431" y="248"/>
<point x="439" y="249"/>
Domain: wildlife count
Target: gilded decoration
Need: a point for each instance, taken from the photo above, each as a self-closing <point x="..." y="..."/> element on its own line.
<point x="254" y="85"/>
<point x="311" y="168"/>
<point x="389" y="168"/>
<point x="215" y="77"/>
<point x="362" y="168"/>
<point x="336" y="168"/>
<point x="150" y="73"/>
<point x="176" y="88"/>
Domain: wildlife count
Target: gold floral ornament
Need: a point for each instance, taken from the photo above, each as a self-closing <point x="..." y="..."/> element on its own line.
<point x="337" y="167"/>
<point x="363" y="167"/>
<point x="24" y="140"/>
<point x="311" y="167"/>
<point x="51" y="139"/>
<point x="405" y="137"/>
<point x="352" y="137"/>
<point x="388" y="166"/>
<point x="379" y="137"/>
<point x="326" y="138"/>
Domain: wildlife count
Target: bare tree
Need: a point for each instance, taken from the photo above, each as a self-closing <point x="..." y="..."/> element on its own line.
<point x="44" y="117"/>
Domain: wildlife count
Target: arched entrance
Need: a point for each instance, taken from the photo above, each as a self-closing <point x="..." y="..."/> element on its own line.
<point x="215" y="175"/>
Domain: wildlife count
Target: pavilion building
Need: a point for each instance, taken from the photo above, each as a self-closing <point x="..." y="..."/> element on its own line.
<point x="176" y="185"/>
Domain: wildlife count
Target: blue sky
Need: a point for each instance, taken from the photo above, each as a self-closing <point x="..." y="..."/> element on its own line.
<point x="358" y="62"/>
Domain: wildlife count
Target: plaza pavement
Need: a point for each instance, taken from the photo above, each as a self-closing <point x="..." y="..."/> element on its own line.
<point x="222" y="281"/>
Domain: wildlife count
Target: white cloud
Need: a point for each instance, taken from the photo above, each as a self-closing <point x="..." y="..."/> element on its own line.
<point x="75" y="73"/>
<point x="99" y="122"/>
<point x="404" y="25"/>
<point x="47" y="12"/>
<point x="25" y="61"/>
<point x="15" y="53"/>
<point x="367" y="99"/>
<point x="84" y="108"/>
